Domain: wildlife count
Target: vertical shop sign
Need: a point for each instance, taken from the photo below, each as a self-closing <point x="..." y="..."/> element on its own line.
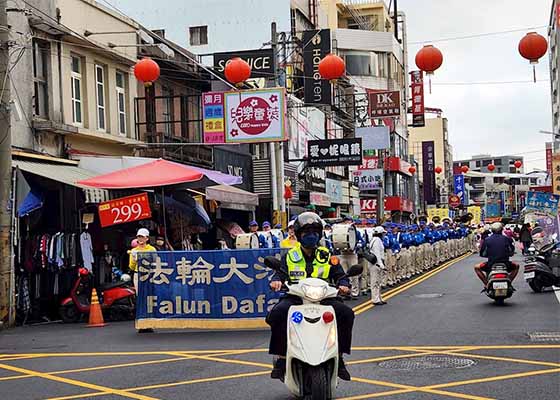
<point x="428" y="172"/>
<point x="417" y="89"/>
<point x="213" y="115"/>
<point x="317" y="44"/>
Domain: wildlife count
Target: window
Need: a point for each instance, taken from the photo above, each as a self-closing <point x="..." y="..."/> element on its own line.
<point x="167" y="94"/>
<point x="76" y="80"/>
<point x="498" y="161"/>
<point x="121" y="102"/>
<point x="100" y="94"/>
<point x="198" y="35"/>
<point x="41" y="53"/>
<point x="478" y="164"/>
<point x="359" y="64"/>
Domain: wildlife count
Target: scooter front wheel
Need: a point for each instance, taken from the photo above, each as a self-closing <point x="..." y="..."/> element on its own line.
<point x="318" y="383"/>
<point x="69" y="313"/>
<point x="536" y="286"/>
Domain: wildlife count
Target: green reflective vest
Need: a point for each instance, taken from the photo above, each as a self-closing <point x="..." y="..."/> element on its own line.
<point x="297" y="265"/>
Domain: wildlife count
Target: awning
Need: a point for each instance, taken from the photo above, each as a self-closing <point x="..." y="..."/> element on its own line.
<point x="67" y="174"/>
<point x="232" y="197"/>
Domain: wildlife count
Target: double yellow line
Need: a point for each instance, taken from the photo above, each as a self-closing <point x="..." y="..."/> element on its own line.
<point x="368" y="305"/>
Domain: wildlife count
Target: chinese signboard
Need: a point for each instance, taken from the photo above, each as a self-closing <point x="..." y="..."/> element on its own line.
<point x="397" y="164"/>
<point x="368" y="205"/>
<point x="417" y="88"/>
<point x="369" y="162"/>
<point x="213" y="117"/>
<point x="459" y="187"/>
<point x="319" y="199"/>
<point x="374" y="137"/>
<point x="368" y="179"/>
<point x="317" y="44"/>
<point x="255" y="116"/>
<point x="545" y="203"/>
<point x="323" y="153"/>
<point x="454" y="201"/>
<point x="124" y="210"/>
<point x="335" y="131"/>
<point x="204" y="288"/>
<point x="438" y="213"/>
<point x="549" y="158"/>
<point x="384" y="104"/>
<point x="428" y="163"/>
<point x="260" y="61"/>
<point x="556" y="173"/>
<point x="334" y="190"/>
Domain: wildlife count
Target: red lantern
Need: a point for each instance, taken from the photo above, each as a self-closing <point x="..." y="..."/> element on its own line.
<point x="288" y="193"/>
<point x="438" y="170"/>
<point x="518" y="164"/>
<point x="429" y="59"/>
<point x="237" y="71"/>
<point x="331" y="67"/>
<point x="532" y="47"/>
<point x="412" y="170"/>
<point x="147" y="71"/>
<point x="464" y="169"/>
<point x="491" y="167"/>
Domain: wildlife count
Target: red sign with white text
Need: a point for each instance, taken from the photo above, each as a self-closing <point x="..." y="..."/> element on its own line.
<point x="124" y="210"/>
<point x="369" y="162"/>
<point x="368" y="205"/>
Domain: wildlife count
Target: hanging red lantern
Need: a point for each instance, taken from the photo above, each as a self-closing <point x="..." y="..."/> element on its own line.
<point x="491" y="167"/>
<point x="146" y="71"/>
<point x="518" y="164"/>
<point x="429" y="59"/>
<point x="464" y="169"/>
<point x="412" y="170"/>
<point x="532" y="47"/>
<point x="237" y="71"/>
<point x="438" y="170"/>
<point x="332" y="67"/>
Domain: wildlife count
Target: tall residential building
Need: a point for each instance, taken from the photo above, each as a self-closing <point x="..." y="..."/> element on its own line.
<point x="554" y="46"/>
<point x="479" y="163"/>
<point x="436" y="131"/>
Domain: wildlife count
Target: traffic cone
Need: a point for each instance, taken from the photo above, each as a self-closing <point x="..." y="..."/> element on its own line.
<point x="95" y="314"/>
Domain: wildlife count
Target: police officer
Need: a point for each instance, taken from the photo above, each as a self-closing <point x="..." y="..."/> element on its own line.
<point x="307" y="258"/>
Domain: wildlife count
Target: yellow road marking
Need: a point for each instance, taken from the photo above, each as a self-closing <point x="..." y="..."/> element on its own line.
<point x="464" y="347"/>
<point x="227" y="361"/>
<point x="387" y="358"/>
<point x="415" y="282"/>
<point x="74" y="382"/>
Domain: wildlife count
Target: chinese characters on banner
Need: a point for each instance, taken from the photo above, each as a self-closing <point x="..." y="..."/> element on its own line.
<point x="545" y="203"/>
<point x="187" y="287"/>
<point x="459" y="187"/>
<point x="324" y="153"/>
<point x="369" y="162"/>
<point x="556" y="173"/>
<point x="255" y="116"/>
<point x="384" y="104"/>
<point x="417" y="89"/>
<point x="549" y="158"/>
<point x="124" y="210"/>
<point x="213" y="117"/>
<point x="368" y="179"/>
<point x="428" y="163"/>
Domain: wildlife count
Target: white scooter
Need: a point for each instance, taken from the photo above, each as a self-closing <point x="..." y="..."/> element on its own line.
<point x="312" y="355"/>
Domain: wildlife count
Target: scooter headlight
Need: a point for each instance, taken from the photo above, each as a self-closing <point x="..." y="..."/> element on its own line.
<point x="314" y="292"/>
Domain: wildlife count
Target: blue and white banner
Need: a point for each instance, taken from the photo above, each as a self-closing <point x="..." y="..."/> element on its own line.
<point x="204" y="289"/>
<point x="546" y="203"/>
<point x="459" y="185"/>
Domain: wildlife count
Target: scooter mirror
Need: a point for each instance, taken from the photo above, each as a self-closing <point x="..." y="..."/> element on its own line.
<point x="354" y="270"/>
<point x="273" y="263"/>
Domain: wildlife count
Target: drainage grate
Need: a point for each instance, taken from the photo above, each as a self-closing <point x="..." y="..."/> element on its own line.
<point x="544" y="336"/>
<point x="428" y="295"/>
<point x="428" y="362"/>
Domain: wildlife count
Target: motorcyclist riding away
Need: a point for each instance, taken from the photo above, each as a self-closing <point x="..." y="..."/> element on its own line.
<point x="498" y="248"/>
<point x="308" y="259"/>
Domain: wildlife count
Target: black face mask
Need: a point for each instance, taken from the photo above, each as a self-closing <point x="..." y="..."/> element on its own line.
<point x="310" y="240"/>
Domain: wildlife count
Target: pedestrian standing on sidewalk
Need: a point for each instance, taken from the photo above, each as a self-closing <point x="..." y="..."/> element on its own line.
<point x="142" y="237"/>
<point x="525" y="237"/>
<point x="377" y="270"/>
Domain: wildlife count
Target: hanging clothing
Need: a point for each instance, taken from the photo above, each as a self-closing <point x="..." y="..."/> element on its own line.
<point x="87" y="250"/>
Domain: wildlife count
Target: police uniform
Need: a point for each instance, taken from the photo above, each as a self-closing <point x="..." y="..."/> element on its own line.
<point x="298" y="267"/>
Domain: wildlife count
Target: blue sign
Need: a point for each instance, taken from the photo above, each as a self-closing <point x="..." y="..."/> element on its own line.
<point x="183" y="287"/>
<point x="502" y="203"/>
<point x="546" y="203"/>
<point x="492" y="210"/>
<point x="459" y="185"/>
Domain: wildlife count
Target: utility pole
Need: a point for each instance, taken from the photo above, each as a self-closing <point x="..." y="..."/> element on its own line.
<point x="5" y="172"/>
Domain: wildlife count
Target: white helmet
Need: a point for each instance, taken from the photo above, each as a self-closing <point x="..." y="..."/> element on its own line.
<point x="126" y="278"/>
<point x="497" y="227"/>
<point x="379" y="230"/>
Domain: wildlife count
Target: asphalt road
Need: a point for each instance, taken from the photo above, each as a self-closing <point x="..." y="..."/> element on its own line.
<point x="437" y="338"/>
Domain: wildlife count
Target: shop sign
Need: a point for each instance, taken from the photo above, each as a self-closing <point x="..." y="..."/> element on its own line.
<point x="335" y="152"/>
<point x="213" y="117"/>
<point x="417" y="89"/>
<point x="374" y="137"/>
<point x="334" y="191"/>
<point x="396" y="203"/>
<point x="454" y="201"/>
<point x="255" y="116"/>
<point x="428" y="165"/>
<point x="316" y="179"/>
<point x="368" y="205"/>
<point x="397" y="164"/>
<point x="369" y="162"/>
<point x="545" y="203"/>
<point x="191" y="289"/>
<point x="236" y="164"/>
<point x="335" y="131"/>
<point x="317" y="44"/>
<point x="124" y="210"/>
<point x="549" y="158"/>
<point x="260" y="61"/>
<point x="384" y="104"/>
<point x="368" y="179"/>
<point x="319" y="199"/>
<point x="556" y="173"/>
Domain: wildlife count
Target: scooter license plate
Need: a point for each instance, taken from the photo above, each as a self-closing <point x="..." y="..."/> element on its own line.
<point x="529" y="275"/>
<point x="500" y="285"/>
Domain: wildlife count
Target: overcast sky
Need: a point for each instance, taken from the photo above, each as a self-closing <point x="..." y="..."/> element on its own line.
<point x="496" y="119"/>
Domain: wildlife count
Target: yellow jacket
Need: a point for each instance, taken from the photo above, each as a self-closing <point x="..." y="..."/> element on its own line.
<point x="133" y="259"/>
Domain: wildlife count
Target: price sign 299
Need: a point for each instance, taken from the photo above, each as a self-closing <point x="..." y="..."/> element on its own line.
<point x="125" y="209"/>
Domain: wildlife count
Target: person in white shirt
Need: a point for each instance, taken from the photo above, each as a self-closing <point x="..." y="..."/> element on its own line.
<point x="377" y="270"/>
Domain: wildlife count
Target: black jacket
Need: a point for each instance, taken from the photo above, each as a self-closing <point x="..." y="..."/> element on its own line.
<point x="498" y="248"/>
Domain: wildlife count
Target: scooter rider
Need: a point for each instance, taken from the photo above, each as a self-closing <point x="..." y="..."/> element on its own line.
<point x="498" y="248"/>
<point x="309" y="259"/>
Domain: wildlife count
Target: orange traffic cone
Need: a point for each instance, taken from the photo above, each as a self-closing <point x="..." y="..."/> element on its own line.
<point x="95" y="314"/>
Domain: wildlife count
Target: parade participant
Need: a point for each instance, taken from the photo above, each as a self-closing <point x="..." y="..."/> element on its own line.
<point x="254" y="228"/>
<point x="326" y="240"/>
<point x="309" y="259"/>
<point x="350" y="257"/>
<point x="142" y="238"/>
<point x="378" y="269"/>
<point x="273" y="243"/>
<point x="291" y="240"/>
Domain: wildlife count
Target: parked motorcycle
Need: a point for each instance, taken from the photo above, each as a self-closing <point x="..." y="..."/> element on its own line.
<point x="312" y="357"/>
<point x="543" y="269"/>
<point x="118" y="299"/>
<point x="499" y="285"/>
